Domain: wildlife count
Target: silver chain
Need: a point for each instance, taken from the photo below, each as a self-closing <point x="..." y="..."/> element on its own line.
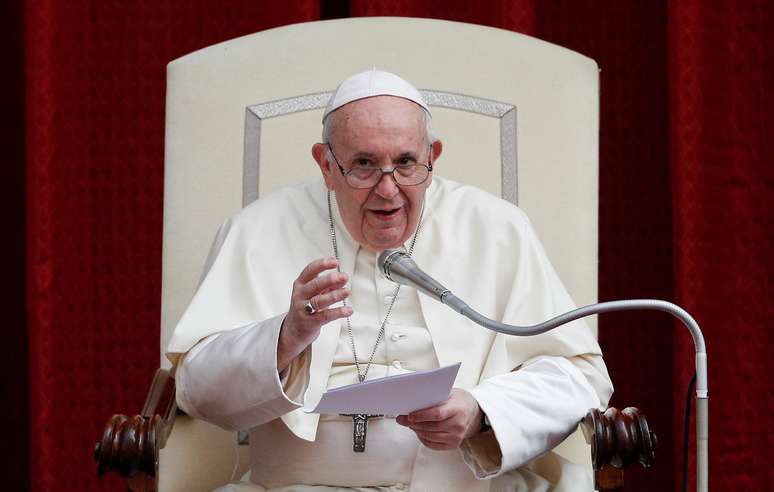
<point x="361" y="376"/>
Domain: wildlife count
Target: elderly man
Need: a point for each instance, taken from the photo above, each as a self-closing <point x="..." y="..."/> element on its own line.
<point x="292" y="303"/>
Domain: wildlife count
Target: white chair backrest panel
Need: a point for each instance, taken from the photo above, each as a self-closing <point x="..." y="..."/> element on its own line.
<point x="550" y="134"/>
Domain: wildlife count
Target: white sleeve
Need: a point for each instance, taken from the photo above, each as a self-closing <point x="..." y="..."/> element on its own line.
<point x="531" y="410"/>
<point x="231" y="378"/>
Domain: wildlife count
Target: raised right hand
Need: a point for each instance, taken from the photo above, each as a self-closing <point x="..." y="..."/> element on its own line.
<point x="299" y="329"/>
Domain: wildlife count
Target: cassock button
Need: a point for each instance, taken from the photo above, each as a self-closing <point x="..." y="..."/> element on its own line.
<point x="398" y="336"/>
<point x="397" y="364"/>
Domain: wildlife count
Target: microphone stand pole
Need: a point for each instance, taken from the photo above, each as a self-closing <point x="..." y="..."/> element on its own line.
<point x="702" y="396"/>
<point x="400" y="268"/>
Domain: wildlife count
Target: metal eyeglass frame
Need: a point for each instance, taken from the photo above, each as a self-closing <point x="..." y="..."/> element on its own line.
<point x="428" y="166"/>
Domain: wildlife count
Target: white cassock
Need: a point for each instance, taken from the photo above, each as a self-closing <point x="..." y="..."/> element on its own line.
<point x="534" y="390"/>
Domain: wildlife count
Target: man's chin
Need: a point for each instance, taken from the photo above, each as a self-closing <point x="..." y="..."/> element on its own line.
<point x="380" y="242"/>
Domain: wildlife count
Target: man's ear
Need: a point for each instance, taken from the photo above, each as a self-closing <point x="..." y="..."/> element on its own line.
<point x="320" y="154"/>
<point x="437" y="150"/>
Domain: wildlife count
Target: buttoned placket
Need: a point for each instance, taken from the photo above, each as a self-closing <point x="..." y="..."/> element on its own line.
<point x="385" y="290"/>
<point x="384" y="297"/>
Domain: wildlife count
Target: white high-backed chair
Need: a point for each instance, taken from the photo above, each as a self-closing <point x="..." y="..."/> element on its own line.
<point x="518" y="117"/>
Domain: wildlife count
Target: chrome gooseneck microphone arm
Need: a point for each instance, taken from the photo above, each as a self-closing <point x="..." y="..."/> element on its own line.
<point x="398" y="267"/>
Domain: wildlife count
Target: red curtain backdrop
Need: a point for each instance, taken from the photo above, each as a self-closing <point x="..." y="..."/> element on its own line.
<point x="95" y="76"/>
<point x="685" y="198"/>
<point x="720" y="84"/>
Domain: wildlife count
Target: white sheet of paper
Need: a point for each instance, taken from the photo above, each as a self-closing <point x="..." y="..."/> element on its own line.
<point x="391" y="395"/>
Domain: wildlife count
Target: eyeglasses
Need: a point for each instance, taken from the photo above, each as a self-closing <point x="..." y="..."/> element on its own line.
<point x="367" y="176"/>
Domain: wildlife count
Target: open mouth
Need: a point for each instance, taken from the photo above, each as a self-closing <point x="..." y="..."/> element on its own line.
<point x="386" y="213"/>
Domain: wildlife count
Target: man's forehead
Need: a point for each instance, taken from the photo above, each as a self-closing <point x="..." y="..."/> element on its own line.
<point x="369" y="121"/>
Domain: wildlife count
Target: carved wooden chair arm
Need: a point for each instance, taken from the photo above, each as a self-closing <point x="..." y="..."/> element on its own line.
<point x="618" y="439"/>
<point x="130" y="445"/>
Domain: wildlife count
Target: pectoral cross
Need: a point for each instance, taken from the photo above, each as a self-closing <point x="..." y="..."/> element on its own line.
<point x="359" y="429"/>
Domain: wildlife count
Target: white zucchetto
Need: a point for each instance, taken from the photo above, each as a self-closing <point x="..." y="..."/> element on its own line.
<point x="373" y="83"/>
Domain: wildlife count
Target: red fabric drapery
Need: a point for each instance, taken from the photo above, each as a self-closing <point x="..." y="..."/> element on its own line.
<point x="95" y="141"/>
<point x="685" y="204"/>
<point x="722" y="180"/>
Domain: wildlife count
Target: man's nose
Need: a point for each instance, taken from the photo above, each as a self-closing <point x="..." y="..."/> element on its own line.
<point x="387" y="187"/>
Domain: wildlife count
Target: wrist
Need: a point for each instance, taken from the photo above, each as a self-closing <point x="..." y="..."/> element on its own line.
<point x="286" y="348"/>
<point x="484" y="424"/>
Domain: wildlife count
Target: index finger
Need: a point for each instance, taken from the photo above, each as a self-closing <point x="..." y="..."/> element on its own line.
<point x="315" y="268"/>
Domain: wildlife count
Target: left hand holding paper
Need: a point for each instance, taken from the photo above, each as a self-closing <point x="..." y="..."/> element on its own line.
<point x="446" y="425"/>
